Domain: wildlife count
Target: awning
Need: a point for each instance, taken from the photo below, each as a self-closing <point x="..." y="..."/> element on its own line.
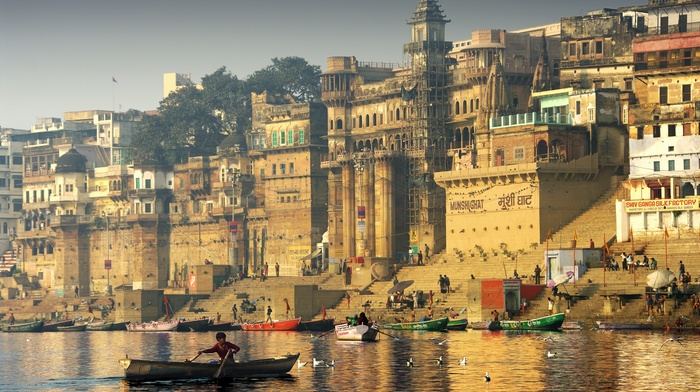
<point x="313" y="255"/>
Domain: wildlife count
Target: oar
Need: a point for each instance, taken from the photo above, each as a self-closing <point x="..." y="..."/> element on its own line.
<point x="192" y="360"/>
<point x="221" y="367"/>
<point x="391" y="336"/>
<point x="323" y="334"/>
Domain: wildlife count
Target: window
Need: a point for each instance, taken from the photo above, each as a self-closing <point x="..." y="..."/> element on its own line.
<point x="671" y="165"/>
<point x="3" y="183"/>
<point x="671" y="148"/>
<point x="283" y="168"/>
<point x="664" y="25"/>
<point x="663" y="95"/>
<point x="628" y="84"/>
<point x="671" y="130"/>
<point x="682" y="23"/>
<point x="274" y="169"/>
<point x="686" y="164"/>
<point x="686" y="129"/>
<point x="137" y="183"/>
<point x="17" y="183"/>
<point x="657" y="131"/>
<point x="147" y="184"/>
<point x="572" y="49"/>
<point x="301" y="137"/>
<point x="291" y="167"/>
<point x="640" y="133"/>
<point x="585" y="48"/>
<point x="147" y="208"/>
<point x="519" y="153"/>
<point x="657" y="166"/>
<point x="663" y="59"/>
<point x="16" y="160"/>
<point x="686" y="93"/>
<point x="3" y="160"/>
<point x="290" y="137"/>
<point x="578" y="108"/>
<point x="283" y="137"/>
<point x="598" y="47"/>
<point x="274" y="139"/>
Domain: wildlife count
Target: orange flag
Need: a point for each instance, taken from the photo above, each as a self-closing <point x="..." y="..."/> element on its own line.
<point x="549" y="234"/>
<point x="575" y="236"/>
<point x="607" y="248"/>
<point x="323" y="312"/>
<point x="631" y="235"/>
<point x="665" y="232"/>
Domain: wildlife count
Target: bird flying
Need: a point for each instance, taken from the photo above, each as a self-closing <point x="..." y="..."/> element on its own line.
<point x="677" y="340"/>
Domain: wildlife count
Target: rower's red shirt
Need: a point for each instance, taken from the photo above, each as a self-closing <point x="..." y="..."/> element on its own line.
<point x="222" y="350"/>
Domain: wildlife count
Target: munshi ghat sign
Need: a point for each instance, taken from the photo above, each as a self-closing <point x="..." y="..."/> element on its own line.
<point x="662" y="205"/>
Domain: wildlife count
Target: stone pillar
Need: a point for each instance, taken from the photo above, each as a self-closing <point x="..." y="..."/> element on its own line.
<point x="349" y="219"/>
<point x="384" y="222"/>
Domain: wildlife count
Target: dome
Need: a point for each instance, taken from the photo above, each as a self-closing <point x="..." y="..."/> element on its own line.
<point x="233" y="140"/>
<point x="71" y="162"/>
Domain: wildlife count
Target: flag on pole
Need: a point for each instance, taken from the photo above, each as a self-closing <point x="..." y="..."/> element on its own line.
<point x="323" y="312"/>
<point x="631" y="235"/>
<point x="114" y="80"/>
<point x="287" y="304"/>
<point x="665" y="232"/>
<point x="575" y="236"/>
<point x="607" y="248"/>
<point x="549" y="234"/>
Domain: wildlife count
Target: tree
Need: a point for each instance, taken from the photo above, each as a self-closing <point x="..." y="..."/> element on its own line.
<point x="288" y="75"/>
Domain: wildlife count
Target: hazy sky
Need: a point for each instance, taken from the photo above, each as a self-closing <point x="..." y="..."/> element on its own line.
<point x="61" y="55"/>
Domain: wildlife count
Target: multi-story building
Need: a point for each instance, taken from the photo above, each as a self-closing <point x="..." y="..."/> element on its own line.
<point x="664" y="130"/>
<point x="11" y="166"/>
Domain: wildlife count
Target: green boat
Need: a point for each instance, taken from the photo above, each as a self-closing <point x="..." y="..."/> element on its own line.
<point x="547" y="323"/>
<point x="36" y="326"/>
<point x="429" y="325"/>
<point x="457" y="324"/>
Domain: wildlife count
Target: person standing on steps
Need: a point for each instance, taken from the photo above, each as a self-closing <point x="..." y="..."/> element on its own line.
<point x="277" y="269"/>
<point x="427" y="251"/>
<point x="538" y="271"/>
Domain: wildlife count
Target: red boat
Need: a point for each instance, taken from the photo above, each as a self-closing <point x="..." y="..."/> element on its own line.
<point x="277" y="325"/>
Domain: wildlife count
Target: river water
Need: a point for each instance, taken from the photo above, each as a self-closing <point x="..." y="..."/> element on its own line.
<point x="584" y="361"/>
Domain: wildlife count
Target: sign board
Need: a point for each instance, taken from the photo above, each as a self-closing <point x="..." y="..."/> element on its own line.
<point x="361" y="226"/>
<point x="192" y="282"/>
<point x="108" y="264"/>
<point x="360" y="212"/>
<point x="233" y="226"/>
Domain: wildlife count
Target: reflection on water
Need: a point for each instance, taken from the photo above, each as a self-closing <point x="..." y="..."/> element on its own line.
<point x="584" y="361"/>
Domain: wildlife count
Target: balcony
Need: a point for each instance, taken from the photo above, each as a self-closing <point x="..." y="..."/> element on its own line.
<point x="654" y="113"/>
<point x="530" y="119"/>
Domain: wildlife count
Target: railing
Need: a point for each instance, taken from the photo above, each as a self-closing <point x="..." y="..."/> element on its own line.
<point x="530" y="118"/>
<point x="673" y="29"/>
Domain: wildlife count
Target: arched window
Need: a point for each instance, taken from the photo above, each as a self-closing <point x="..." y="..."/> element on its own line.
<point x="339" y="124"/>
<point x="457" y="107"/>
<point x="374" y="119"/>
<point x="398" y="114"/>
<point x="464" y="106"/>
<point x="515" y="102"/>
<point x="360" y="122"/>
<point x="471" y="105"/>
<point x="330" y="126"/>
<point x="367" y="119"/>
<point x="555" y="69"/>
<point x="477" y="104"/>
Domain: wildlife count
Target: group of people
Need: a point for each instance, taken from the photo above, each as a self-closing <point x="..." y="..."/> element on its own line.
<point x="629" y="264"/>
<point x="444" y="283"/>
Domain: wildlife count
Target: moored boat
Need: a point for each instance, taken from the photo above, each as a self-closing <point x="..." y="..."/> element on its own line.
<point x="546" y="323"/>
<point x="276" y="325"/>
<point x="569" y="325"/>
<point x="143" y="370"/>
<point x="100" y="326"/>
<point x="486" y="325"/>
<point x="360" y="333"/>
<point x="73" y="328"/>
<point x="316" y="325"/>
<point x="224" y="326"/>
<point x="36" y="326"/>
<point x="120" y="325"/>
<point x="614" y="325"/>
<point x="153" y="326"/>
<point x="428" y="325"/>
<point x="52" y="326"/>
<point x="457" y="324"/>
<point x="197" y="325"/>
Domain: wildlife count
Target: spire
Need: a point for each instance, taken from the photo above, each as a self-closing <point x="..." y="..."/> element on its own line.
<point x="497" y="100"/>
<point x="541" y="80"/>
<point x="428" y="11"/>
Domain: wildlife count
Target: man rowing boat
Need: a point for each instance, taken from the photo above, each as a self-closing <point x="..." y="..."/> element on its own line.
<point x="221" y="347"/>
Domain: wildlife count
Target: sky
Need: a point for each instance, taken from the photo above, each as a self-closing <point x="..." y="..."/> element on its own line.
<point x="62" y="55"/>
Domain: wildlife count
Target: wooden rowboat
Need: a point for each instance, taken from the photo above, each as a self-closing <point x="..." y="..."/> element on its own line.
<point x="569" y="325"/>
<point x="486" y="325"/>
<point x="360" y="333"/>
<point x="143" y="370"/>
<point x="277" y="325"/>
<point x="224" y="326"/>
<point x="73" y="328"/>
<point x="153" y="326"/>
<point x="198" y="325"/>
<point x="547" y="323"/>
<point x="457" y="324"/>
<point x="613" y="325"/>
<point x="36" y="326"/>
<point x="52" y="326"/>
<point x="316" y="325"/>
<point x="429" y="325"/>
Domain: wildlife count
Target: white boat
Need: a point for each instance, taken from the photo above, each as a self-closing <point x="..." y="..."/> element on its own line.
<point x="360" y="333"/>
<point x="153" y="326"/>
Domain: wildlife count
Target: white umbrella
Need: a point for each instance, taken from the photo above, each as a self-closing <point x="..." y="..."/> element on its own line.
<point x="660" y="278"/>
<point x="560" y="279"/>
